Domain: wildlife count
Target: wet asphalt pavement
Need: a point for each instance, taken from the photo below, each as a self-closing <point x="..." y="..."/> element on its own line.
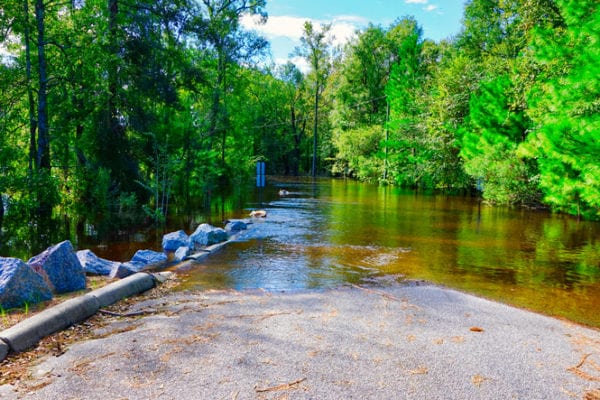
<point x="395" y="341"/>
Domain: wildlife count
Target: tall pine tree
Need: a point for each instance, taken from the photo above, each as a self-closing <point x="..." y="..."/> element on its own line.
<point x="566" y="109"/>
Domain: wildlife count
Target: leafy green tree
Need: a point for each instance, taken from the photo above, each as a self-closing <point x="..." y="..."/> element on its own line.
<point x="297" y="110"/>
<point x="566" y="110"/>
<point x="495" y="37"/>
<point x="9" y="117"/>
<point x="267" y="116"/>
<point x="493" y="132"/>
<point x="359" y="111"/>
<point x="314" y="48"/>
<point x="452" y="81"/>
<point x="219" y="31"/>
<point x="404" y="92"/>
<point x="364" y="72"/>
<point x="359" y="149"/>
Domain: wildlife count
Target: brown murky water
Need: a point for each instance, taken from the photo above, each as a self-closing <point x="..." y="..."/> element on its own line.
<point x="334" y="232"/>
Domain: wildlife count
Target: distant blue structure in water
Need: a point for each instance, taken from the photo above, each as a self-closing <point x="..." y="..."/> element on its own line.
<point x="260" y="174"/>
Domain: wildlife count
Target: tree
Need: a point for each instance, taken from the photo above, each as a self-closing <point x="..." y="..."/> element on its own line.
<point x="315" y="45"/>
<point x="566" y="110"/>
<point x="218" y="29"/>
<point x="496" y="36"/>
<point x="453" y="79"/>
<point x="404" y="92"/>
<point x="359" y="111"/>
<point x="294" y="87"/>
<point x="364" y="72"/>
<point x="492" y="134"/>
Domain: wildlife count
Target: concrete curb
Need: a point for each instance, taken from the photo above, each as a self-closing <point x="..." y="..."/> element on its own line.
<point x="3" y="350"/>
<point x="29" y="332"/>
<point x="126" y="287"/>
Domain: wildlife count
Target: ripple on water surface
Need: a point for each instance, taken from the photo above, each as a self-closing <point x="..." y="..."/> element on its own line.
<point x="333" y="232"/>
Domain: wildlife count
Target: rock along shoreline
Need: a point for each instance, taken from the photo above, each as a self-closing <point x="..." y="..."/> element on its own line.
<point x="27" y="333"/>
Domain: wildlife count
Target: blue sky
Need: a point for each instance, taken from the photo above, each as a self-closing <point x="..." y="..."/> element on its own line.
<point x="440" y="19"/>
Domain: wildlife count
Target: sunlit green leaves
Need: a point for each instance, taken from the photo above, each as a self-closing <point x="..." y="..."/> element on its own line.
<point x="403" y="91"/>
<point x="490" y="140"/>
<point x="566" y="110"/>
<point x="359" y="152"/>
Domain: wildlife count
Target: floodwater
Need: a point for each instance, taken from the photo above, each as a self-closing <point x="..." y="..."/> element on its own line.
<point x="328" y="233"/>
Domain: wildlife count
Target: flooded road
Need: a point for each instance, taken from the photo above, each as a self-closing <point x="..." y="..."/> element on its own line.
<point x="331" y="232"/>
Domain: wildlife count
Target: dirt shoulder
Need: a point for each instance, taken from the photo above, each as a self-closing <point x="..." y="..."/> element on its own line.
<point x="395" y="342"/>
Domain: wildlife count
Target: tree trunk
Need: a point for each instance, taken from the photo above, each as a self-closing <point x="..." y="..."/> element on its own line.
<point x="189" y="165"/>
<point x="216" y="104"/>
<point x="296" y="135"/>
<point x="314" y="157"/>
<point x="387" y="138"/>
<point x="32" y="120"/>
<point x="43" y="145"/>
<point x="1" y="213"/>
<point x="113" y="11"/>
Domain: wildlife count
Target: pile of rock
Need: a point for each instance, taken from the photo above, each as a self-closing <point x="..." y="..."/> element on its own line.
<point x="56" y="270"/>
<point x="60" y="269"/>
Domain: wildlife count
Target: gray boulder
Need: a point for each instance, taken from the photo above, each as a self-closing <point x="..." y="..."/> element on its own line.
<point x="140" y="260"/>
<point x="182" y="252"/>
<point x="94" y="265"/>
<point x="174" y="240"/>
<point x="20" y="284"/>
<point x="148" y="257"/>
<point x="123" y="270"/>
<point x="236" y="225"/>
<point x="60" y="267"/>
<point x="206" y="234"/>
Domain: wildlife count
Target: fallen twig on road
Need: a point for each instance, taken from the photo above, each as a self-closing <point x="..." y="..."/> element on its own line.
<point x="383" y="294"/>
<point x="262" y="317"/>
<point x="592" y="395"/>
<point x="285" y="386"/>
<point x="126" y="315"/>
<point x="582" y="374"/>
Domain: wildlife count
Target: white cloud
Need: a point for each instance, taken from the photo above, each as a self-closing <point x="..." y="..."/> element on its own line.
<point x="354" y="19"/>
<point x="290" y="27"/>
<point x="342" y="32"/>
<point x="299" y="62"/>
<point x="430" y="7"/>
<point x="343" y="29"/>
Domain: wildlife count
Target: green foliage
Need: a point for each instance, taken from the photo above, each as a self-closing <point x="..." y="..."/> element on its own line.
<point x="315" y="49"/>
<point x="139" y="108"/>
<point x="452" y="81"/>
<point x="493" y="131"/>
<point x="358" y="153"/>
<point x="566" y="109"/>
<point x="404" y="91"/>
<point x="161" y="105"/>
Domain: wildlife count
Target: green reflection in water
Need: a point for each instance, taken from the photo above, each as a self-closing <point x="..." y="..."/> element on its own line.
<point x="526" y="258"/>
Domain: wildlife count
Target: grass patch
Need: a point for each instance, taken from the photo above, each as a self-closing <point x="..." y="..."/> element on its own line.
<point x="13" y="316"/>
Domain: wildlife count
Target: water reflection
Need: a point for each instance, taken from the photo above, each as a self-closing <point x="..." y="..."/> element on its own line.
<point x="328" y="232"/>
